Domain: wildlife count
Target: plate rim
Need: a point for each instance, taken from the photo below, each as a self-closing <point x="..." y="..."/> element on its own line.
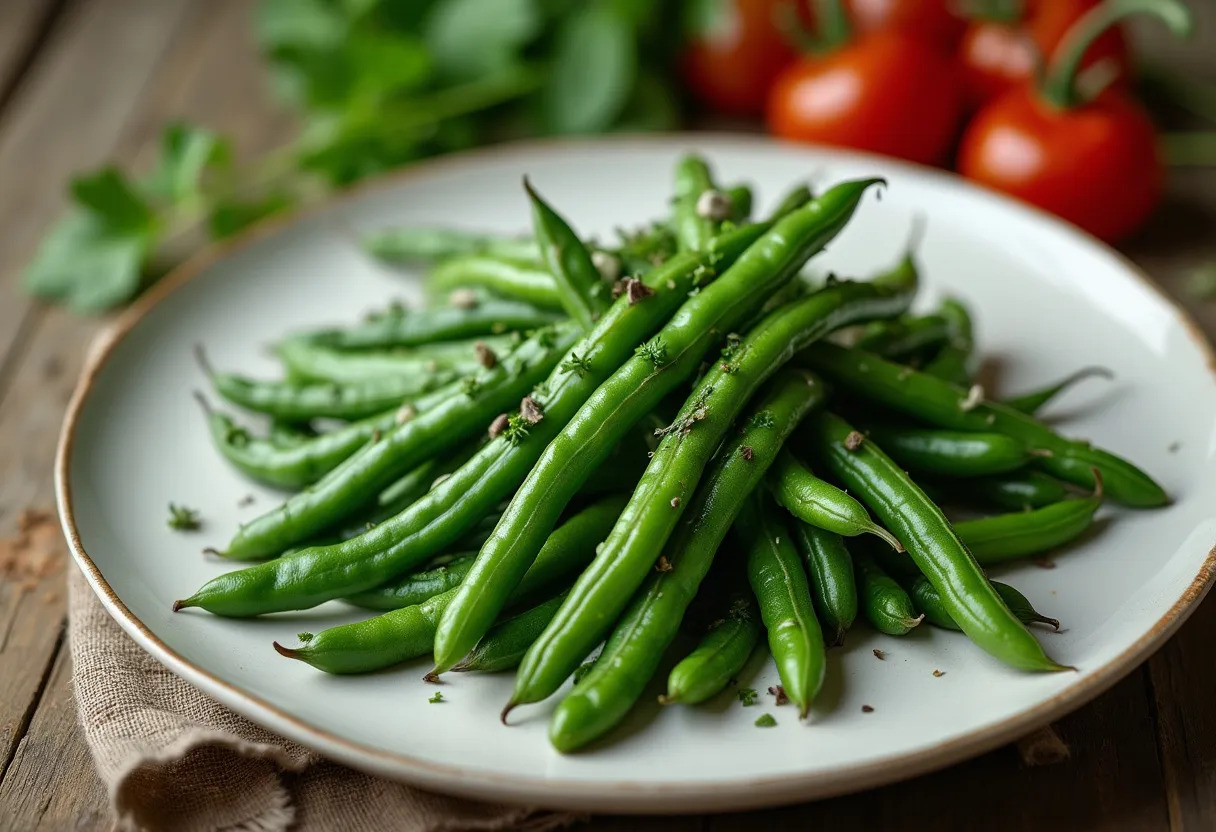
<point x="628" y="796"/>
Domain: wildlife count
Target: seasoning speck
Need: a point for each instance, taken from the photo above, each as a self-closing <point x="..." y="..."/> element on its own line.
<point x="779" y="692"/>
<point x="880" y="655"/>
<point x="937" y="674"/>
<point x="853" y="441"/>
<point x="182" y="519"/>
<point x="867" y="709"/>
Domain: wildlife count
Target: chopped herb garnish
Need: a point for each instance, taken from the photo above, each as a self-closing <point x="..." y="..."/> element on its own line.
<point x="304" y="636"/>
<point x="748" y="696"/>
<point x="765" y="721"/>
<point x="654" y="350"/>
<point x="576" y="364"/>
<point x="763" y="419"/>
<point x="438" y="697"/>
<point x="183" y="519"/>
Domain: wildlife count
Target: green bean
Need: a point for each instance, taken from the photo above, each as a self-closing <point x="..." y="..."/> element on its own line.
<point x="1018" y="491"/>
<point x="779" y="581"/>
<point x="431" y="366"/>
<point x="289" y="434"/>
<point x="819" y="503"/>
<point x="740" y="198"/>
<point x="418" y="587"/>
<point x="945" y="405"/>
<point x="437" y="520"/>
<point x="656" y="506"/>
<point x="642" y="250"/>
<point x="327" y="400"/>
<point x="883" y="601"/>
<point x="632" y="653"/>
<point x="1035" y="400"/>
<point x="433" y="431"/>
<point x="409" y="632"/>
<point x="399" y="327"/>
<point x="292" y="466"/>
<point x="953" y="361"/>
<point x="798" y="196"/>
<point x="719" y="657"/>
<point x="901" y="338"/>
<point x="833" y="586"/>
<point x="1011" y="536"/>
<point x="503" y="277"/>
<point x="694" y="221"/>
<point x="951" y="453"/>
<point x="506" y="642"/>
<point x="930" y="541"/>
<point x="583" y="292"/>
<point x="929" y="602"/>
<point x="430" y="245"/>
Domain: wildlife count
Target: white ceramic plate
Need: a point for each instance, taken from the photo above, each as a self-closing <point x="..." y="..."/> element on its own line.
<point x="1048" y="300"/>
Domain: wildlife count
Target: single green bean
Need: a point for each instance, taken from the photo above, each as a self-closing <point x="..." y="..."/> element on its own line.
<point x="1036" y="400"/>
<point x="307" y="359"/>
<point x="953" y="361"/>
<point x="326" y="400"/>
<point x="695" y="219"/>
<point x="1017" y="491"/>
<point x="740" y="198"/>
<point x="930" y="541"/>
<point x="503" y="277"/>
<point x="819" y="503"/>
<point x="1022" y="534"/>
<point x="430" y="245"/>
<point x="779" y="582"/>
<point x="719" y="657"/>
<point x="399" y="327"/>
<point x="905" y="337"/>
<point x="583" y="292"/>
<point x="507" y="641"/>
<point x="418" y="587"/>
<point x="929" y="602"/>
<point x="883" y="601"/>
<point x="952" y="453"/>
<point x="833" y="585"/>
<point x="945" y="405"/>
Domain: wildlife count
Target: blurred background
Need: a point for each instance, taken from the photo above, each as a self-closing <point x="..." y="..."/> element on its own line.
<point x="1079" y="106"/>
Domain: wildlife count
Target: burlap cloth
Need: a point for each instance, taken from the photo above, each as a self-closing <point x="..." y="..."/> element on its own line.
<point x="172" y="758"/>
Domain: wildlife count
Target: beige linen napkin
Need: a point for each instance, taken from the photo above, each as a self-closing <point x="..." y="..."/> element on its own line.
<point x="174" y="759"/>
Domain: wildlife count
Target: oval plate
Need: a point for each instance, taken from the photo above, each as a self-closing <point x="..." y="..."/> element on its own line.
<point x="1048" y="300"/>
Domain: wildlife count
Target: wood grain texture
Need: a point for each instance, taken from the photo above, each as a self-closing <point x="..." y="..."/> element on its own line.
<point x="1143" y="755"/>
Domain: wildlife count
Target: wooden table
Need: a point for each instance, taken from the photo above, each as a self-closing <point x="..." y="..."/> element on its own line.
<point x="85" y="81"/>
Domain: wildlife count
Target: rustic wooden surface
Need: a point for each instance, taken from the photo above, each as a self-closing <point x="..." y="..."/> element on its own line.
<point x="82" y="81"/>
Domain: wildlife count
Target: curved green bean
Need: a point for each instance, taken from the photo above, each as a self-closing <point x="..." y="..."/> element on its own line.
<point x="929" y="602"/>
<point x="719" y="657"/>
<point x="833" y="585"/>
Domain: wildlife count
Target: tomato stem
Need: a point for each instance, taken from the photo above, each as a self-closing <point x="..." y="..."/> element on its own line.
<point x="1059" y="87"/>
<point x="993" y="11"/>
<point x="833" y="24"/>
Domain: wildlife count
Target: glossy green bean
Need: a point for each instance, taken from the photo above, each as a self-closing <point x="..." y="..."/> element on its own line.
<point x="409" y="632"/>
<point x="720" y="655"/>
<point x="500" y="276"/>
<point x="1017" y="491"/>
<point x="437" y="521"/>
<point x="833" y="585"/>
<point x="399" y="327"/>
<point x="635" y="648"/>
<point x="779" y="581"/>
<point x="506" y="642"/>
<point x="430" y="245"/>
<point x="418" y="587"/>
<point x="884" y="602"/>
<point x="819" y="503"/>
<point x="454" y="419"/>
<point x="952" y="453"/>
<point x="307" y="359"/>
<point x="693" y="184"/>
<point x="797" y="196"/>
<point x="635" y="389"/>
<point x="290" y="466"/>
<point x="1036" y="400"/>
<point x="929" y="603"/>
<point x="948" y="406"/>
<point x="904" y="337"/>
<point x="1008" y="537"/>
<point x="326" y="400"/>
<point x="953" y="362"/>
<point x="740" y="198"/>
<point x="583" y="292"/>
<point x="930" y="541"/>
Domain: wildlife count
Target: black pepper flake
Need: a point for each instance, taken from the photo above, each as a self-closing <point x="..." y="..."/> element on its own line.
<point x="779" y="693"/>
<point x="486" y="357"/>
<point x="867" y="709"/>
<point x="880" y="655"/>
<point x="499" y="425"/>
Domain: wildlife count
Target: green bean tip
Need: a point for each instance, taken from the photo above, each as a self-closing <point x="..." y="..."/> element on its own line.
<point x="665" y="699"/>
<point x="1054" y="623"/>
<point x="285" y="651"/>
<point x="510" y="706"/>
<point x="181" y="603"/>
<point x="432" y="677"/>
<point x="891" y="539"/>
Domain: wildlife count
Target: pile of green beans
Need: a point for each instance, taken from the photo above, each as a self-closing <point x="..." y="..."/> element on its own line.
<point x="589" y="447"/>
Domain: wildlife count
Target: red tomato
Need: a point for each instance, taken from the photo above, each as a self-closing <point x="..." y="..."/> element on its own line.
<point x="931" y="20"/>
<point x="731" y="65"/>
<point x="999" y="56"/>
<point x="887" y="92"/>
<point x="1095" y="165"/>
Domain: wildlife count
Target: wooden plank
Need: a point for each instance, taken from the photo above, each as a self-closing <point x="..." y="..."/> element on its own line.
<point x="51" y="784"/>
<point x="68" y="115"/>
<point x="26" y="22"/>
<point x="1112" y="781"/>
